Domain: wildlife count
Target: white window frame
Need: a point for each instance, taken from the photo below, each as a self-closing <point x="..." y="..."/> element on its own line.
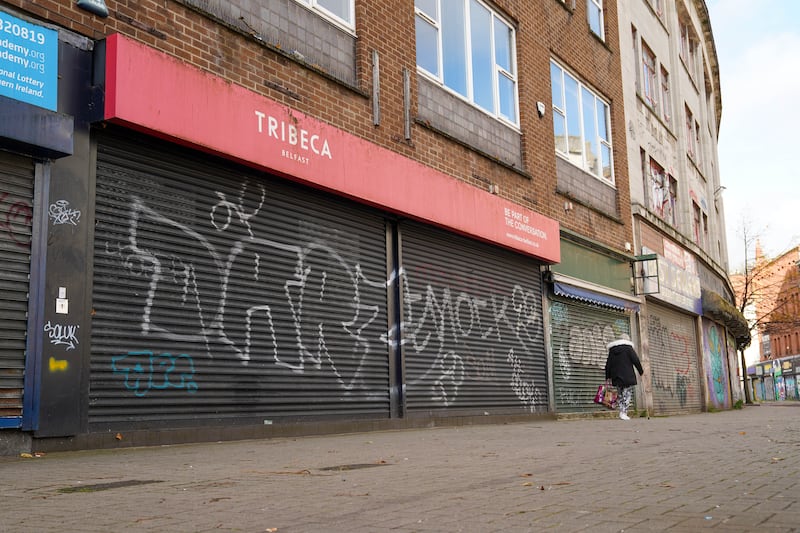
<point x="657" y="7"/>
<point x="689" y="46"/>
<point x="663" y="193"/>
<point x="349" y="23"/>
<point x="691" y="148"/>
<point x="649" y="76"/>
<point x="596" y="7"/>
<point x="666" y="96"/>
<point x="498" y="72"/>
<point x="601" y="142"/>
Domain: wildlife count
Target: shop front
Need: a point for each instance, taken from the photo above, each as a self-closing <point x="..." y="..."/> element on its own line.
<point x="590" y="305"/>
<point x="253" y="266"/>
<point x="671" y="327"/>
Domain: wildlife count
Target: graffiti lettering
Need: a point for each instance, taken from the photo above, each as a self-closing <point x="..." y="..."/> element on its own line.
<point x="674" y="376"/>
<point x="146" y="371"/>
<point x="62" y="334"/>
<point x="60" y="213"/>
<point x="305" y="306"/>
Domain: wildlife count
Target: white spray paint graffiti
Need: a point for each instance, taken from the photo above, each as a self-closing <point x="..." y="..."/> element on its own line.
<point x="476" y="327"/>
<point x="65" y="335"/>
<point x="60" y="213"/>
<point x="583" y="346"/>
<point x="239" y="291"/>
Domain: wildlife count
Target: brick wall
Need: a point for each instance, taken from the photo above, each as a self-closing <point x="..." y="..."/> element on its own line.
<point x="321" y="75"/>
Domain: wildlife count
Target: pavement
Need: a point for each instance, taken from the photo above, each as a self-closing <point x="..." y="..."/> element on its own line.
<point x="734" y="471"/>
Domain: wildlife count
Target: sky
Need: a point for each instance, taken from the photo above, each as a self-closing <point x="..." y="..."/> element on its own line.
<point x="758" y="50"/>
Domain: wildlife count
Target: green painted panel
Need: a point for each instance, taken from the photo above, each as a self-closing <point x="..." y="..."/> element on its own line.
<point x="582" y="263"/>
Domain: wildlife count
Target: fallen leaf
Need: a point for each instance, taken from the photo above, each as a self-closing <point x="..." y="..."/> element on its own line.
<point x="742" y="433"/>
<point x="527" y="484"/>
<point x="271" y="529"/>
<point x="526" y="475"/>
<point x="26" y="455"/>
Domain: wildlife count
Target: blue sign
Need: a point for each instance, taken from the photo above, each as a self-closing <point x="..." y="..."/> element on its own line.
<point x="28" y="62"/>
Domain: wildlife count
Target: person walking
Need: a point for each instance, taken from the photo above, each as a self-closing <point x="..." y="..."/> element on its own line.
<point x="621" y="361"/>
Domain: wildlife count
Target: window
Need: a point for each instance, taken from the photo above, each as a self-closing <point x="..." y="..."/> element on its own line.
<point x="705" y="241"/>
<point x="469" y="49"/>
<point x="649" y="76"/>
<point x="656" y="5"/>
<point x="698" y="155"/>
<point x="691" y="147"/>
<point x="341" y="11"/>
<point x="666" y="97"/>
<point x="581" y="124"/>
<point x="688" y="48"/>
<point x="697" y="223"/>
<point x="595" y="9"/>
<point x="663" y="192"/>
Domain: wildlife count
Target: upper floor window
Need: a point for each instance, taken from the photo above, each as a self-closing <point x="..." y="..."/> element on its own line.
<point x="666" y="97"/>
<point x="691" y="145"/>
<point x="689" y="48"/>
<point x="698" y="154"/>
<point x="595" y="9"/>
<point x="341" y="11"/>
<point x="470" y="50"/>
<point x="657" y="6"/>
<point x="581" y="124"/>
<point x="697" y="224"/>
<point x="649" y="76"/>
<point x="663" y="192"/>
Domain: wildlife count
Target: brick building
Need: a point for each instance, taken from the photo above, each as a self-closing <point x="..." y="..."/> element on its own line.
<point x="229" y="220"/>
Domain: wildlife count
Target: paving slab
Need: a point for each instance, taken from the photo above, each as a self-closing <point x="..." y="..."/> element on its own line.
<point x="724" y="471"/>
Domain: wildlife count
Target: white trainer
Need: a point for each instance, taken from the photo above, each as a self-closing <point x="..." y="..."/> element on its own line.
<point x="623" y="416"/>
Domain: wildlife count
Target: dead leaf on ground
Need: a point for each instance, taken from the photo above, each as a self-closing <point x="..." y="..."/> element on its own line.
<point x="526" y="475"/>
<point x="527" y="484"/>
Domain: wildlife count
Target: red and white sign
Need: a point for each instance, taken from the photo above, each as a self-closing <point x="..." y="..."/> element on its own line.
<point x="158" y="94"/>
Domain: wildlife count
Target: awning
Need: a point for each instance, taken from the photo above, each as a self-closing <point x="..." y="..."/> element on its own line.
<point x="593" y="297"/>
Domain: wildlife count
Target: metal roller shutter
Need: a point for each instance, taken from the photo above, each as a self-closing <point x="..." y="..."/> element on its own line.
<point x="580" y="336"/>
<point x="16" y="222"/>
<point x="677" y="387"/>
<point x="472" y="326"/>
<point x="224" y="294"/>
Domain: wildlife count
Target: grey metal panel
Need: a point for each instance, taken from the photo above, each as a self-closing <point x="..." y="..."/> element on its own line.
<point x="677" y="387"/>
<point x="473" y="337"/>
<point x="16" y="222"/>
<point x="580" y="336"/>
<point x="221" y="293"/>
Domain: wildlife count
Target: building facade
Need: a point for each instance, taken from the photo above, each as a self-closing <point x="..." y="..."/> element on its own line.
<point x="690" y="329"/>
<point x="772" y="289"/>
<point x="228" y="220"/>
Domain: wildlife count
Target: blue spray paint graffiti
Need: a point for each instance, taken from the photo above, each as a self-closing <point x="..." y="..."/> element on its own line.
<point x="145" y="371"/>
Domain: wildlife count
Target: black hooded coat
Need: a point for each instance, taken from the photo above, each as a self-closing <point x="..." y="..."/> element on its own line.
<point x="622" y="359"/>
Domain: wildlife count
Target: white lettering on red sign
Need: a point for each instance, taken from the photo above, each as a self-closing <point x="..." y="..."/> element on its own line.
<point x="521" y="222"/>
<point x="297" y="138"/>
